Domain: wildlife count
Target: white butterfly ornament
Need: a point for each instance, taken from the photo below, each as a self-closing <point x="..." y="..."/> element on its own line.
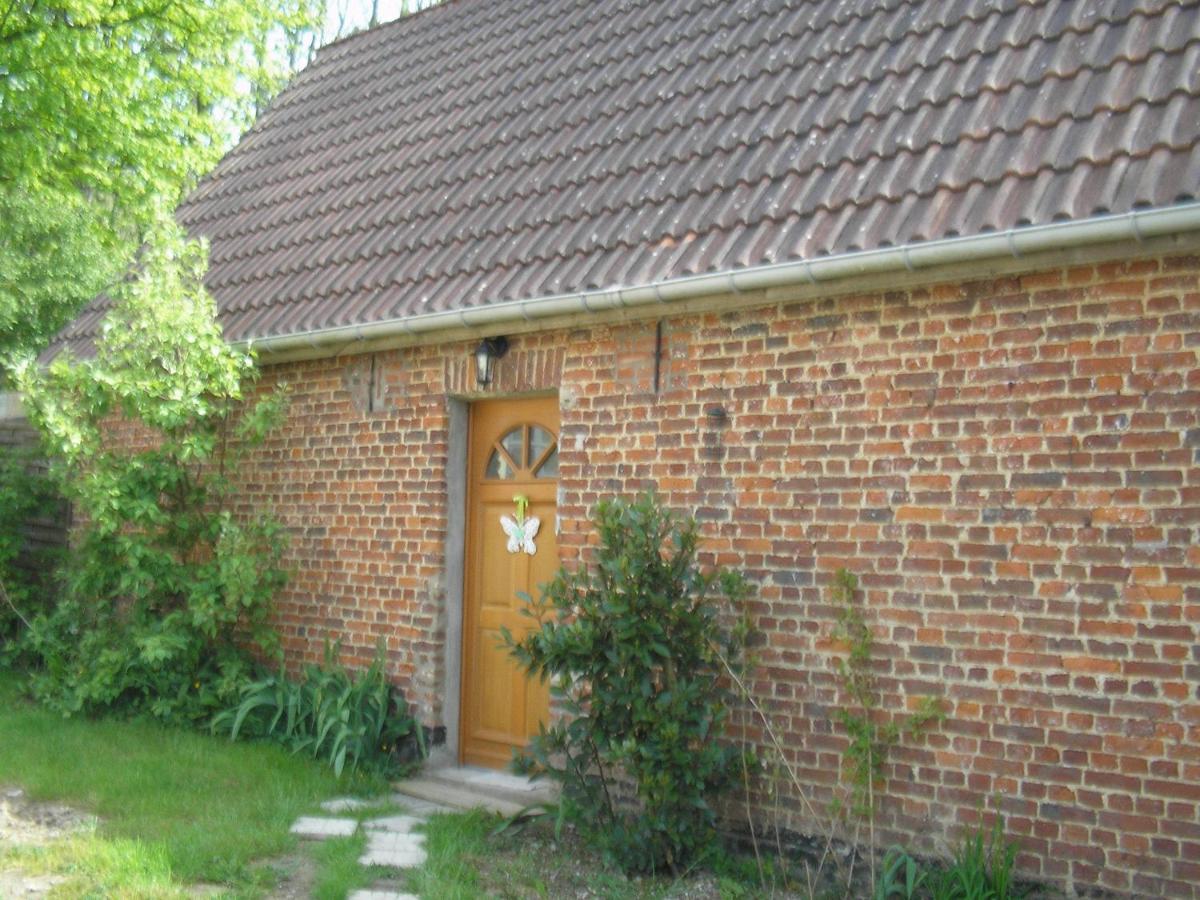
<point x="521" y="534"/>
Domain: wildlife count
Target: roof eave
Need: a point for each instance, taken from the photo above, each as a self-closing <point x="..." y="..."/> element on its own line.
<point x="1137" y="226"/>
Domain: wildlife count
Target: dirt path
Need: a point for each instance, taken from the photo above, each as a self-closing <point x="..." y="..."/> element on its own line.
<point x="26" y="823"/>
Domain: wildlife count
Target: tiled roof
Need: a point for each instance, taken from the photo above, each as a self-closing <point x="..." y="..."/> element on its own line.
<point x="485" y="151"/>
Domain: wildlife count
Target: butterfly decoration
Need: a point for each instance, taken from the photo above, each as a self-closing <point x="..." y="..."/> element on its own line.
<point x="521" y="533"/>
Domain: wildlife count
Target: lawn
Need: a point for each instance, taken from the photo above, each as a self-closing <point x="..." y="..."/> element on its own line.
<point x="173" y="807"/>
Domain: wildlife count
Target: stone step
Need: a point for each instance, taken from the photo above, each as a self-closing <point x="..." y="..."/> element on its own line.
<point x="471" y="788"/>
<point x="319" y="828"/>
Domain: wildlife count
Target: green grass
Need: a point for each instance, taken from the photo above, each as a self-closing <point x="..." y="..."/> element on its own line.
<point x="177" y="808"/>
<point x="174" y="803"/>
<point x="95" y="867"/>
<point x="454" y="844"/>
<point x="467" y="860"/>
<point x="338" y="871"/>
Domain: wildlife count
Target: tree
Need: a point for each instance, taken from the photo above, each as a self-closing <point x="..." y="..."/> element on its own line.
<point x="109" y="109"/>
<point x="167" y="589"/>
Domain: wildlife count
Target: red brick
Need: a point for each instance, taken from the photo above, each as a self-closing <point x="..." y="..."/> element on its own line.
<point x="1019" y="497"/>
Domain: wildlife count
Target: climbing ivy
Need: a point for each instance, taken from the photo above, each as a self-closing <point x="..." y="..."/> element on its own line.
<point x="871" y="735"/>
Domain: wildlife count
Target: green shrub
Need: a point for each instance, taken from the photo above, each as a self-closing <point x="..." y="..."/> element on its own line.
<point x="329" y="714"/>
<point x="167" y="594"/>
<point x="635" y="650"/>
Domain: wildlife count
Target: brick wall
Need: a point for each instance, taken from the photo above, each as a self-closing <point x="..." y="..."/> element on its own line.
<point x="1011" y="467"/>
<point x="45" y="533"/>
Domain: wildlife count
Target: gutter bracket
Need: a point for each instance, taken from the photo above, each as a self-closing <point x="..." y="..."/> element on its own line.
<point x="1012" y="245"/>
<point x="1134" y="217"/>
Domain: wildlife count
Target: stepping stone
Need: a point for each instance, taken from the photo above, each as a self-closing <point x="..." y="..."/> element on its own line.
<point x="382" y="895"/>
<point x="394" y="824"/>
<point x="418" y="806"/>
<point x="397" y="851"/>
<point x="319" y="829"/>
<point x="349" y="804"/>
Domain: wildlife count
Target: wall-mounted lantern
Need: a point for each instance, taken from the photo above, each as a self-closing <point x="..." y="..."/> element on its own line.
<point x="486" y="354"/>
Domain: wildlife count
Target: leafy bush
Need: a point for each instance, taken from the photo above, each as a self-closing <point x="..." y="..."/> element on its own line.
<point x="329" y="714"/>
<point x="167" y="593"/>
<point x="635" y="651"/>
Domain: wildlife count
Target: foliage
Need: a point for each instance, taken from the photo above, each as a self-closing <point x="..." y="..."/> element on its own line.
<point x="901" y="876"/>
<point x="981" y="869"/>
<point x="109" y="110"/>
<point x="23" y="493"/>
<point x="167" y="591"/>
<point x="870" y="739"/>
<point x="56" y="252"/>
<point x="634" y="651"/>
<point x="329" y="714"/>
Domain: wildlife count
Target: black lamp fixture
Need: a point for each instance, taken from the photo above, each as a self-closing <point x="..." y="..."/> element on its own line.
<point x="486" y="354"/>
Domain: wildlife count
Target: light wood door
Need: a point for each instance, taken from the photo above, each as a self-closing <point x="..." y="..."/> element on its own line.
<point x="513" y="454"/>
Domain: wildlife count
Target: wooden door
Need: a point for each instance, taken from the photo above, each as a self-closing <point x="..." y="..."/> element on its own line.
<point x="513" y="454"/>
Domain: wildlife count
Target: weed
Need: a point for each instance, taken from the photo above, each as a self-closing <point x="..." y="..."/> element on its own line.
<point x="901" y="876"/>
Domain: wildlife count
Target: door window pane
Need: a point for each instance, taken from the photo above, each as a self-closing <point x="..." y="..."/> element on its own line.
<point x="549" y="467"/>
<point x="498" y="466"/>
<point x="513" y="444"/>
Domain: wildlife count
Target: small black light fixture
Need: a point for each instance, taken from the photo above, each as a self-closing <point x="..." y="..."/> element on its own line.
<point x="486" y="354"/>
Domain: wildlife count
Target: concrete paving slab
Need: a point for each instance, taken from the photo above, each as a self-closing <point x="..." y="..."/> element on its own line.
<point x="394" y="840"/>
<point x="319" y="828"/>
<point x="382" y="895"/>
<point x="395" y="859"/>
<point x="399" y="851"/>
<point x="420" y="806"/>
<point x="351" y="804"/>
<point x="398" y="824"/>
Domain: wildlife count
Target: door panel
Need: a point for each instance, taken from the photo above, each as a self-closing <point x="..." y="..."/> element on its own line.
<point x="513" y="451"/>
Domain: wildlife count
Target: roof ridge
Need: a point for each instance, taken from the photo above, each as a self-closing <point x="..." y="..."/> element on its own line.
<point x="338" y="124"/>
<point x="317" y="71"/>
<point x="336" y="183"/>
<point x="976" y="51"/>
<point x="711" y="4"/>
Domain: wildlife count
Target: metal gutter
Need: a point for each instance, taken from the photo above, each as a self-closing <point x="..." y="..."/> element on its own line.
<point x="1138" y="225"/>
